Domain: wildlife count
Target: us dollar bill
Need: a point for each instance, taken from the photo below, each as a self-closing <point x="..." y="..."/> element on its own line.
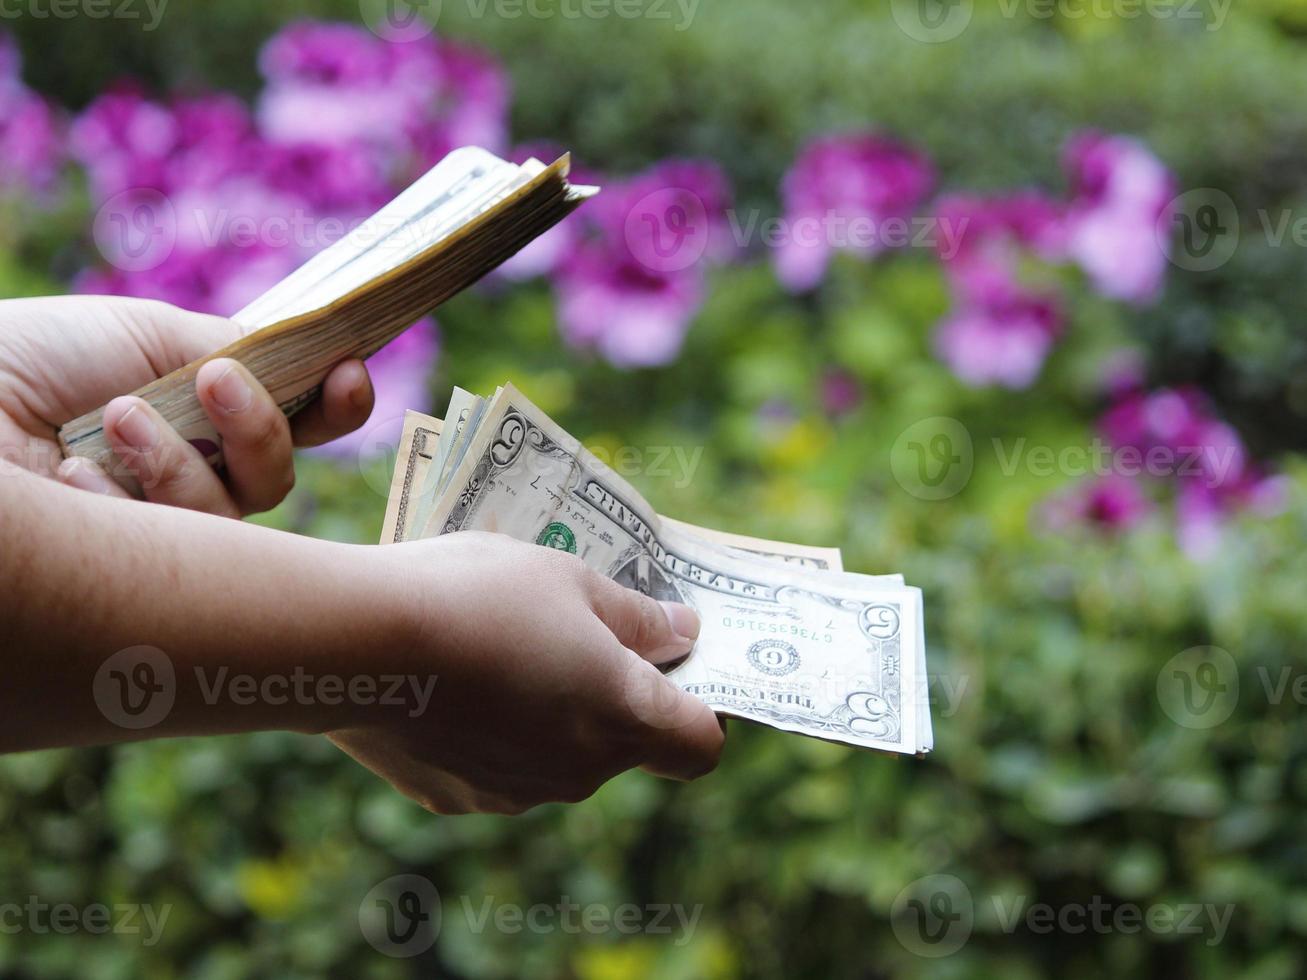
<point x="418" y="443"/>
<point x="784" y="642"/>
<point x="422" y="455"/>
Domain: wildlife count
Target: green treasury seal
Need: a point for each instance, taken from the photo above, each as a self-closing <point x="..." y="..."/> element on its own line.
<point x="556" y="535"/>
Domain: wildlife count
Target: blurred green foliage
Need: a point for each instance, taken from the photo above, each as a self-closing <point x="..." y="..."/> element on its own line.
<point x="1057" y="774"/>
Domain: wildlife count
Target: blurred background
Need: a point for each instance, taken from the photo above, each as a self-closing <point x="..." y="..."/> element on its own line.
<point x="1006" y="297"/>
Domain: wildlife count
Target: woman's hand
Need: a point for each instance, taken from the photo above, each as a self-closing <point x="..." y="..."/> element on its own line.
<point x="546" y="687"/>
<point x="61" y="357"/>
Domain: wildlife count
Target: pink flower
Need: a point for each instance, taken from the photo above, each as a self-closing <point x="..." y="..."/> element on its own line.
<point x="337" y="85"/>
<point x="1002" y="340"/>
<point x="1169" y="418"/>
<point x="30" y="146"/>
<point x="1000" y="331"/>
<point x="840" y="392"/>
<point x="125" y="141"/>
<point x="985" y="232"/>
<point x="1179" y="440"/>
<point x="470" y="108"/>
<point x="347" y="181"/>
<point x="315" y="53"/>
<point x="632" y="316"/>
<point x="668" y="217"/>
<point x="1121" y="194"/>
<point x="30" y="150"/>
<point x="1111" y="503"/>
<point x="836" y="197"/>
<point x="632" y="286"/>
<point x="401" y="375"/>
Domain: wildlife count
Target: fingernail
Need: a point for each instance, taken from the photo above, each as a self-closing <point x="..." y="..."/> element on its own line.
<point x="683" y="619"/>
<point x="83" y="475"/>
<point x="231" y="392"/>
<point x="137" y="429"/>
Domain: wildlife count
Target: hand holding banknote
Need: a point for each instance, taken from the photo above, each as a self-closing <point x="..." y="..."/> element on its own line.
<point x="548" y="685"/>
<point x="789" y="639"/>
<point x="63" y="355"/>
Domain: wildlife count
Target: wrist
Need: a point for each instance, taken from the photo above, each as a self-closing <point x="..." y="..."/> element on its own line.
<point x="373" y="661"/>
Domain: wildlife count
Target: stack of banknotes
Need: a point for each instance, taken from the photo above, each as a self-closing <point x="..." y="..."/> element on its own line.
<point x="789" y="639"/>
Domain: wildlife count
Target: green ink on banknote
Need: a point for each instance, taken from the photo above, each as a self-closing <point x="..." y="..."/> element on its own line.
<point x="556" y="535"/>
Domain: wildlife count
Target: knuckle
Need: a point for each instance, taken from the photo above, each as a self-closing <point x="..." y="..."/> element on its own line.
<point x="168" y="470"/>
<point x="648" y="620"/>
<point x="268" y="432"/>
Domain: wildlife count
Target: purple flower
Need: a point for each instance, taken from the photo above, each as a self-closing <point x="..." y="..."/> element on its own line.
<point x="840" y="392"/>
<point x="30" y="145"/>
<point x="124" y="141"/>
<point x="632" y="316"/>
<point x="1177" y="438"/>
<point x="1000" y="330"/>
<point x="838" y="185"/>
<point x="1121" y="195"/>
<point x="633" y="284"/>
<point x="30" y="150"/>
<point x="348" y="181"/>
<point x="470" y="108"/>
<point x="338" y="86"/>
<point x="669" y="217"/>
<point x="401" y="373"/>
<point x="1001" y="340"/>
<point x="1111" y="503"/>
<point x="1169" y="418"/>
<point x="315" y="53"/>
<point x="979" y="233"/>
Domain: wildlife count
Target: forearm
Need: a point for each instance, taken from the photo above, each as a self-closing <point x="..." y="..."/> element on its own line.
<point x="85" y="577"/>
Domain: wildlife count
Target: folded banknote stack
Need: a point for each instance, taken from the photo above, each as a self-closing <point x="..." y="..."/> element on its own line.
<point x="789" y="639"/>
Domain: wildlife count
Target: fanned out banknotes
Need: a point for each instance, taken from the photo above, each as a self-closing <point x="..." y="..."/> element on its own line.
<point x="788" y="638"/>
